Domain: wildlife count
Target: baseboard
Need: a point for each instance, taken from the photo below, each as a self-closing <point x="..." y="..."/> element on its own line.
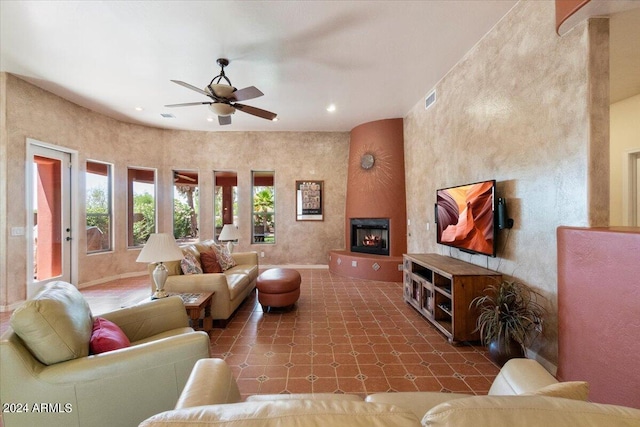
<point x="142" y="273"/>
<point x="550" y="367"/>
<point x="110" y="278"/>
<point x="297" y="266"/>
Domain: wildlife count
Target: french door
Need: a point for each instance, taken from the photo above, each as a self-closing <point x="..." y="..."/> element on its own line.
<point x="49" y="231"/>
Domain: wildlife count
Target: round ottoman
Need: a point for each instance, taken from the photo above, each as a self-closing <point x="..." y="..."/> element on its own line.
<point x="278" y="287"/>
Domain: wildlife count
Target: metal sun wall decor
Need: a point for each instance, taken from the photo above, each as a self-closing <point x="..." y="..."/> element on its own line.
<point x="309" y="198"/>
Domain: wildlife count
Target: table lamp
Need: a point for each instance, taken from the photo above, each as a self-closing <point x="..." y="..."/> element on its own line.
<point x="160" y="247"/>
<point x="228" y="234"/>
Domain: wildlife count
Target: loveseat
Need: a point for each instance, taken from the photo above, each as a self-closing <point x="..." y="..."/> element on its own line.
<point x="48" y="376"/>
<point x="523" y="394"/>
<point x="231" y="286"/>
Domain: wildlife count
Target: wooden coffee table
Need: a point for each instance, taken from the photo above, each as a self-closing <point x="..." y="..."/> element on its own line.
<point x="195" y="303"/>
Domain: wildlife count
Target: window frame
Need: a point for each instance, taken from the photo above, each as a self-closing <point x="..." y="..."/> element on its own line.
<point x="225" y="175"/>
<point x="131" y="244"/>
<point x="189" y="173"/>
<point x="109" y="199"/>
<point x="271" y="235"/>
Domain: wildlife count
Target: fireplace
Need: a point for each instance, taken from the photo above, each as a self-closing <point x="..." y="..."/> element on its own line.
<point x="370" y="235"/>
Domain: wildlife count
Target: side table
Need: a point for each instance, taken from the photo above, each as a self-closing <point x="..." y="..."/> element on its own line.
<point x="194" y="303"/>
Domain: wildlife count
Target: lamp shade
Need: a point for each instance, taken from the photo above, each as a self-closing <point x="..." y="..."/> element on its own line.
<point x="222" y="109"/>
<point x="229" y="232"/>
<point x="160" y="247"/>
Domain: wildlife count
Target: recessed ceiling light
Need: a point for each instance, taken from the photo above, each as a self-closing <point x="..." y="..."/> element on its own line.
<point x="331" y="108"/>
<point x="139" y="108"/>
<point x="275" y="119"/>
<point x="209" y="119"/>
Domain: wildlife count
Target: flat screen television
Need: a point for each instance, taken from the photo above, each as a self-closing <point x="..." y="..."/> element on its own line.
<point x="465" y="217"/>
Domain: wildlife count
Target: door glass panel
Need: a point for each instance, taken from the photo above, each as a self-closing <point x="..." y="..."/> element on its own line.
<point x="186" y="206"/>
<point x="225" y="209"/>
<point x="141" y="206"/>
<point x="264" y="203"/>
<point x="47" y="218"/>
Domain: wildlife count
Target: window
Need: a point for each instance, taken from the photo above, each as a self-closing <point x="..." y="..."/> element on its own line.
<point x="98" y="205"/>
<point x="141" y="205"/>
<point x="186" y="205"/>
<point x="225" y="209"/>
<point x="264" y="202"/>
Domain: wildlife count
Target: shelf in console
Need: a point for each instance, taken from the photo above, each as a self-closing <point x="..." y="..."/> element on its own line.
<point x="444" y="290"/>
<point x="446" y="308"/>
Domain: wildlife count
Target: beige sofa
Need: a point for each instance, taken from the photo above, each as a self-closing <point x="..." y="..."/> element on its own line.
<point x="231" y="287"/>
<point x="521" y="395"/>
<point x="48" y="377"/>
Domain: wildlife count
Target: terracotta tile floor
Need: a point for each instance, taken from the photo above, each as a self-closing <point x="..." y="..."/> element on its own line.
<point x="344" y="336"/>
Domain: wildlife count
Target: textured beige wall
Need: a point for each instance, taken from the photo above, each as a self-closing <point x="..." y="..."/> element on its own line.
<point x="625" y="138"/>
<point x="37" y="114"/>
<point x="516" y="109"/>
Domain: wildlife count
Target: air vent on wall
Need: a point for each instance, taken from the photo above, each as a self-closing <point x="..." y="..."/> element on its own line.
<point x="431" y="99"/>
<point x="168" y="115"/>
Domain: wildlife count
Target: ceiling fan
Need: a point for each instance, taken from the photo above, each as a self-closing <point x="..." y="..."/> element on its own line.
<point x="225" y="96"/>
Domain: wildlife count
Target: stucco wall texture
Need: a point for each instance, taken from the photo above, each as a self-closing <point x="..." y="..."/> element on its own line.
<point x="519" y="108"/>
<point x="524" y="107"/>
<point x="40" y="115"/>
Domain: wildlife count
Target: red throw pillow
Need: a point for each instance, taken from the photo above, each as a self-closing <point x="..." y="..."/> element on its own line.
<point x="107" y="336"/>
<point x="209" y="261"/>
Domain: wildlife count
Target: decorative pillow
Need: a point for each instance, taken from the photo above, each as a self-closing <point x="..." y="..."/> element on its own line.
<point x="55" y="324"/>
<point x="210" y="263"/>
<point x="107" y="336"/>
<point x="224" y="258"/>
<point x="190" y="264"/>
<point x="576" y="390"/>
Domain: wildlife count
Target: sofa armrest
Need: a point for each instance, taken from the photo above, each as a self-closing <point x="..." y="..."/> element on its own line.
<point x="211" y="382"/>
<point x="249" y="258"/>
<point x="519" y="376"/>
<point x="150" y="318"/>
<point x="166" y="351"/>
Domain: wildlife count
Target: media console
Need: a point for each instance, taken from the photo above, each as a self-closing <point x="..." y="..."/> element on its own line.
<point x="442" y="288"/>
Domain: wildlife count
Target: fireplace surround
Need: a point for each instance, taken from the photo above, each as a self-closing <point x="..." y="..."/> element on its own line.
<point x="375" y="191"/>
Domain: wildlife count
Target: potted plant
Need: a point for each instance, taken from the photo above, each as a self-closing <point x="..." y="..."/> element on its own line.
<point x="509" y="319"/>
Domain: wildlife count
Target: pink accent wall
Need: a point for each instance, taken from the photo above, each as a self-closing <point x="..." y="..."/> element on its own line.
<point x="566" y="8"/>
<point x="599" y="311"/>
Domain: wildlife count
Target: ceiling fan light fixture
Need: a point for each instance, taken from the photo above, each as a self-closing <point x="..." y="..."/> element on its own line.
<point x="221" y="109"/>
<point x="221" y="91"/>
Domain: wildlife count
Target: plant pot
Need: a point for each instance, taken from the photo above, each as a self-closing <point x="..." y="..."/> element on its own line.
<point x="501" y="350"/>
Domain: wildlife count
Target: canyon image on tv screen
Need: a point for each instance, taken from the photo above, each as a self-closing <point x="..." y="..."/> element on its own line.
<point x="465" y="217"/>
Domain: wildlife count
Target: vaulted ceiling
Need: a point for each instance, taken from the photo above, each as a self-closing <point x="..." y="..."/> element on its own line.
<point x="370" y="59"/>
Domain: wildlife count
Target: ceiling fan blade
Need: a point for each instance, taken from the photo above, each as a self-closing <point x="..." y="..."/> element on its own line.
<point x="246" y="93"/>
<point x="256" y="111"/>
<point x="189" y="104"/>
<point x="192" y="87"/>
<point x="224" y="120"/>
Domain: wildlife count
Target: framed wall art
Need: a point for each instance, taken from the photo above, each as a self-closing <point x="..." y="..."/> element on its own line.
<point x="309" y="198"/>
